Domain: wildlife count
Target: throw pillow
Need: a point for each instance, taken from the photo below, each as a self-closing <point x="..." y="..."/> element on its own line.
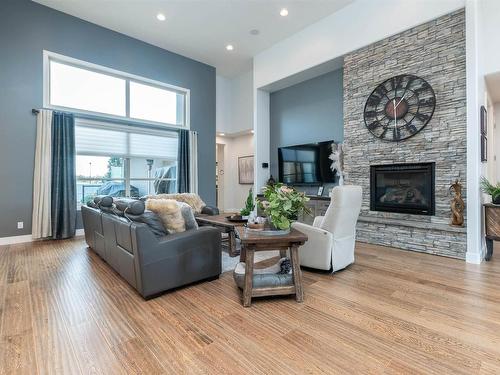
<point x="188" y="215"/>
<point x="192" y="199"/>
<point x="169" y="212"/>
<point x="151" y="220"/>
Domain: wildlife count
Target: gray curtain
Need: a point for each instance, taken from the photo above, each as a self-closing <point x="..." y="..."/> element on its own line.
<point x="63" y="176"/>
<point x="183" y="162"/>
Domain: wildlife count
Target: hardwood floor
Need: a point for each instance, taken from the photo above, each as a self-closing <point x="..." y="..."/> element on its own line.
<point x="64" y="311"/>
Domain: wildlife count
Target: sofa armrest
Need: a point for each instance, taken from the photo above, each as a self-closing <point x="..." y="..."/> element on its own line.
<point x="176" y="244"/>
<point x="210" y="210"/>
<point x="310" y="230"/>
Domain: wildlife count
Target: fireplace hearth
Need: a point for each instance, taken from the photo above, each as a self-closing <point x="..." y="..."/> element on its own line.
<point x="403" y="188"/>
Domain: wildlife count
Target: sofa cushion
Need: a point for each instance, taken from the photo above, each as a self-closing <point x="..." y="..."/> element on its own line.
<point x="103" y="200"/>
<point x="192" y="199"/>
<point x="129" y="205"/>
<point x="169" y="212"/>
<point x="152" y="220"/>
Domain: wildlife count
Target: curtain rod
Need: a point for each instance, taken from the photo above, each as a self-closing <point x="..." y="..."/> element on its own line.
<point x="35" y="111"/>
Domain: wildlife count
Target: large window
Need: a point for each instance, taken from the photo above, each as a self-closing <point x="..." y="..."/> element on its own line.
<point x="123" y="160"/>
<point x="81" y="87"/>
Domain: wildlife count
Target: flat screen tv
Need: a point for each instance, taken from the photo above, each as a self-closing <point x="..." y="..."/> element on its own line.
<point x="306" y="164"/>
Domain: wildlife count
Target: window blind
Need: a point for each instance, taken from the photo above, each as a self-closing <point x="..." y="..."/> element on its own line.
<point x="101" y="138"/>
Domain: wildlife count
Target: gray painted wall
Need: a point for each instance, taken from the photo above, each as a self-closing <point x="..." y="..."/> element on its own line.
<point x="310" y="111"/>
<point x="26" y="29"/>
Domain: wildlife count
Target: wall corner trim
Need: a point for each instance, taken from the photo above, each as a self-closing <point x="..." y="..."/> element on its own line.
<point x="474" y="258"/>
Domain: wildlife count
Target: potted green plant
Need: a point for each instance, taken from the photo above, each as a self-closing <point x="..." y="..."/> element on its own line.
<point x="249" y="205"/>
<point x="490" y="189"/>
<point x="282" y="205"/>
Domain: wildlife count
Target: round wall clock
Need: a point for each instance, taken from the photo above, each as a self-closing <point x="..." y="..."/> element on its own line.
<point x="399" y="107"/>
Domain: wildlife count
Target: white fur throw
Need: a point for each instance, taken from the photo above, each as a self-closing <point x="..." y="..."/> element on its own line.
<point x="169" y="212"/>
<point x="192" y="199"/>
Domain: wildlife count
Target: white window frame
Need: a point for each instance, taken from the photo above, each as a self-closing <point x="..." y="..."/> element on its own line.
<point x="51" y="56"/>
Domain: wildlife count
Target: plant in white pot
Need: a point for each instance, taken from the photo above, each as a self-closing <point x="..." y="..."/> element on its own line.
<point x="490" y="189"/>
<point x="282" y="205"/>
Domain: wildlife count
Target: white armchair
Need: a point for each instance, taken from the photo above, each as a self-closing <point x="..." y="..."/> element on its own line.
<point x="332" y="237"/>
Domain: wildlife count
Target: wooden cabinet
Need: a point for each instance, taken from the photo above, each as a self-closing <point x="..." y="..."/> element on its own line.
<point x="492" y="226"/>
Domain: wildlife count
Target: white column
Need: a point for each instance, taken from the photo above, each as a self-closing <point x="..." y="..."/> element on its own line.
<point x="261" y="138"/>
<point x="475" y="98"/>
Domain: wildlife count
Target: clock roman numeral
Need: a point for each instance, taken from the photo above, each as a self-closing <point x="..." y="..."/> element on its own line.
<point x="411" y="128"/>
<point x="397" y="82"/>
<point x="429" y="102"/>
<point x="374" y="125"/>
<point x="396" y="134"/>
<point x="425" y="86"/>
<point x="381" y="91"/>
<point x="422" y="116"/>
<point x="373" y="100"/>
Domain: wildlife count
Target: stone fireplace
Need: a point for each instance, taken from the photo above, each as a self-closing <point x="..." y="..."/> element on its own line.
<point x="402" y="188"/>
<point x="400" y="208"/>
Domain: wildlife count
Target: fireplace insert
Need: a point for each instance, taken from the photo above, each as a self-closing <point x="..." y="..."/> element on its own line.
<point x="403" y="188"/>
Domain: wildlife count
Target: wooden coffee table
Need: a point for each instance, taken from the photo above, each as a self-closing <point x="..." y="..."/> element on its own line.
<point x="225" y="226"/>
<point x="252" y="242"/>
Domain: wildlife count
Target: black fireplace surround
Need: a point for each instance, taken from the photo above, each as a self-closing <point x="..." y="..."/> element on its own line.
<point x="403" y="188"/>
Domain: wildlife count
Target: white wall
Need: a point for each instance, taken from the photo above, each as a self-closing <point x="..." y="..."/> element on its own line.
<point x="234" y="103"/>
<point x="234" y="193"/>
<point x="242" y="102"/>
<point x="223" y="104"/>
<point x="357" y="25"/>
<point x="489" y="26"/>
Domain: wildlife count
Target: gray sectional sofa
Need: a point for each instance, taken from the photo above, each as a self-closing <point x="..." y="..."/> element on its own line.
<point x="149" y="263"/>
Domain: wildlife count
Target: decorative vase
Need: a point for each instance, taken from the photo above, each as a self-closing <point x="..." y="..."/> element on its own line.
<point x="495" y="200"/>
<point x="457" y="205"/>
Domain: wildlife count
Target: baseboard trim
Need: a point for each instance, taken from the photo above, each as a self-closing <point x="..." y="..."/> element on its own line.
<point x="16" y="239"/>
<point x="12" y="240"/>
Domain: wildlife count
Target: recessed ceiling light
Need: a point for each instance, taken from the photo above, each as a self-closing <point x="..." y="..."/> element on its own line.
<point x="161" y="17"/>
<point x="229" y="47"/>
<point x="254" y="32"/>
<point x="284" y="12"/>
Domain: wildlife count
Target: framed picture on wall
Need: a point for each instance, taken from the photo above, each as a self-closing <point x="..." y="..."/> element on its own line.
<point x="484" y="134"/>
<point x="245" y="170"/>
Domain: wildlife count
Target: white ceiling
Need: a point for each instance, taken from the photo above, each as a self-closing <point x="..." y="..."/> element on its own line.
<point x="200" y="29"/>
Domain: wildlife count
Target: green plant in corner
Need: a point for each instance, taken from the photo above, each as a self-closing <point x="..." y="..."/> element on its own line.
<point x="283" y="204"/>
<point x="249" y="204"/>
<point x="490" y="189"/>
